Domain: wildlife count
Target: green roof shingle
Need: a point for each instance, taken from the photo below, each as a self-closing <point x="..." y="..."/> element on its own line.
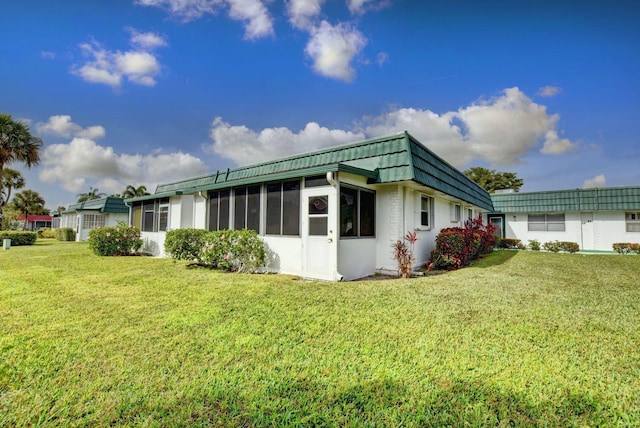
<point x="109" y="204"/>
<point x="394" y="158"/>
<point x="605" y="199"/>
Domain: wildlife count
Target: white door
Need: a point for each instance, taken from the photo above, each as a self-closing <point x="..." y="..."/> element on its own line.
<point x="498" y="222"/>
<point x="318" y="232"/>
<point x="587" y="231"/>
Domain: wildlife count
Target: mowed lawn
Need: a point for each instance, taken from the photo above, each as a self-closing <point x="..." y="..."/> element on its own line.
<point x="520" y="338"/>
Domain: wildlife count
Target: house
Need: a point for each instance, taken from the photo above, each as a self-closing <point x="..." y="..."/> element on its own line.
<point x="593" y="218"/>
<point x="84" y="216"/>
<point x="332" y="214"/>
<point x="36" y="221"/>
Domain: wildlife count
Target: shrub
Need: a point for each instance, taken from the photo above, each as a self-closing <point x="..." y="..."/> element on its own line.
<point x="404" y="254"/>
<point x="626" y="247"/>
<point x="553" y="246"/>
<point x="509" y="243"/>
<point x="456" y="247"/>
<point x="19" y="237"/>
<point x="556" y="246"/>
<point x="185" y="244"/>
<point x="234" y="250"/>
<point x="569" y="247"/>
<point x="65" y="234"/>
<point x="46" y="233"/>
<point x="534" y="245"/>
<point x="120" y="240"/>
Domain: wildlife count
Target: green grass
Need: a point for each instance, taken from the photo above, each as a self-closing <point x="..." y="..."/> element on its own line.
<point x="520" y="338"/>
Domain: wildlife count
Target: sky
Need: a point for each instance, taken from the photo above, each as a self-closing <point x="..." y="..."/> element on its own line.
<point x="143" y="92"/>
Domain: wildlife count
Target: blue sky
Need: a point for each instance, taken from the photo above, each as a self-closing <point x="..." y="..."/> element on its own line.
<point x="149" y="91"/>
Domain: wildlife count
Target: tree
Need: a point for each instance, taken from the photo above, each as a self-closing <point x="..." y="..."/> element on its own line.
<point x="132" y="191"/>
<point x="90" y="195"/>
<point x="9" y="180"/>
<point x="493" y="180"/>
<point x="28" y="202"/>
<point x="16" y="145"/>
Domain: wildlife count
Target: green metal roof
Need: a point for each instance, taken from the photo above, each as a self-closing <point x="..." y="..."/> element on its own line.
<point x="398" y="157"/>
<point x="606" y="199"/>
<point x="109" y="204"/>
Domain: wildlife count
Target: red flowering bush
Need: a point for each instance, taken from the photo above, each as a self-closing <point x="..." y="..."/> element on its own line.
<point x="404" y="254"/>
<point x="457" y="246"/>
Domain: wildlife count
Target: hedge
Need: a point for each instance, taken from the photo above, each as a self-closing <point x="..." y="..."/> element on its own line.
<point x="65" y="234"/>
<point x="626" y="247"/>
<point x="19" y="237"/>
<point x="120" y="240"/>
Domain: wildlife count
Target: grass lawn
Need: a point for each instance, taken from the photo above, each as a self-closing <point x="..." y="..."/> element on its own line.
<point x="520" y="338"/>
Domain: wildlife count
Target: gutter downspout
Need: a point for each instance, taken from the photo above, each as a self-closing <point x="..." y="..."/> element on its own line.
<point x="334" y="183"/>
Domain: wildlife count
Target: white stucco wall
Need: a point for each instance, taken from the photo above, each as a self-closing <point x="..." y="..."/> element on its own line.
<point x="607" y="228"/>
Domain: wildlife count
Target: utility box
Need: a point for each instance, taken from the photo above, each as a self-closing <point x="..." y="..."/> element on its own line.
<point x="6" y="244"/>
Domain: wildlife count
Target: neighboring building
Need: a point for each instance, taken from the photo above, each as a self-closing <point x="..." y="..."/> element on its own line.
<point x="84" y="216"/>
<point x="332" y="214"/>
<point x="36" y="221"/>
<point x="593" y="218"/>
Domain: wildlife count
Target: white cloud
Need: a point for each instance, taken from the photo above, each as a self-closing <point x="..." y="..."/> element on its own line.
<point x="597" y="181"/>
<point x="244" y="145"/>
<point x="82" y="162"/>
<point x="359" y="7"/>
<point x="138" y="66"/>
<point x="382" y="58"/>
<point x="253" y="13"/>
<point x="48" y="54"/>
<point x="186" y="10"/>
<point x="146" y="41"/>
<point x="549" y="91"/>
<point x="500" y="131"/>
<point x="556" y="146"/>
<point x="332" y="49"/>
<point x="62" y="126"/>
<point x="302" y="12"/>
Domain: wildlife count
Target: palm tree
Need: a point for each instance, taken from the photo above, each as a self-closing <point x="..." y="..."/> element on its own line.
<point x="90" y="195"/>
<point x="17" y="144"/>
<point x="132" y="191"/>
<point x="28" y="202"/>
<point x="9" y="179"/>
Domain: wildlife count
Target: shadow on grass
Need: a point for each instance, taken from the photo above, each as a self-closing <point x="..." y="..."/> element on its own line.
<point x="447" y="403"/>
<point x="495" y="258"/>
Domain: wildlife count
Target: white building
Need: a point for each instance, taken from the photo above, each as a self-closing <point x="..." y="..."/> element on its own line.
<point x="92" y="214"/>
<point x="593" y="218"/>
<point x="332" y="214"/>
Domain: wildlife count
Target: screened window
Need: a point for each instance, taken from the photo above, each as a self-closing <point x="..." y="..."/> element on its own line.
<point x="283" y="208"/>
<point x="318" y="215"/>
<point x="93" y="221"/>
<point x="163" y="218"/>
<point x="219" y="210"/>
<point x="246" y="211"/>
<point x="546" y="223"/>
<point x="357" y="212"/>
<point x="426" y="208"/>
<point x="148" y="216"/>
<point x="633" y="221"/>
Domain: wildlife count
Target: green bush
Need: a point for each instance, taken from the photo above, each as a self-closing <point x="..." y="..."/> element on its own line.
<point x="556" y="246"/>
<point x="19" y="237"/>
<point x="46" y="233"/>
<point x="534" y="245"/>
<point x="232" y="250"/>
<point x="626" y="247"/>
<point x="120" y="240"/>
<point x="65" y="234"/>
<point x="185" y="244"/>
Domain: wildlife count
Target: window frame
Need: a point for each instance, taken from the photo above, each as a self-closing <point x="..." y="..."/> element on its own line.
<point x="545" y="222"/>
<point x="632" y="221"/>
<point x="429" y="211"/>
<point x="455" y="211"/>
<point x="286" y="195"/>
